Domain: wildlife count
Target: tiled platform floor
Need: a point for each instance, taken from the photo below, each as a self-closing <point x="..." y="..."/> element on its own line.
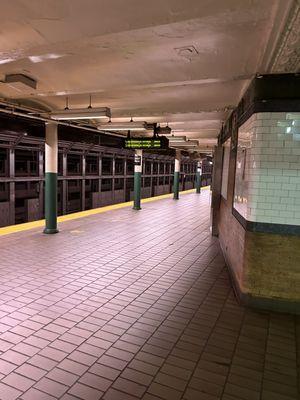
<point x="127" y="305"/>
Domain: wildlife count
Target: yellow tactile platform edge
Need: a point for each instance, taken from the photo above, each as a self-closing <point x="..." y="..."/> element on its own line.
<point x="81" y="214"/>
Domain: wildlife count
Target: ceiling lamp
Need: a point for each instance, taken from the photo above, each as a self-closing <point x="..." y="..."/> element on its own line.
<point x="166" y="130"/>
<point x="190" y="144"/>
<point x="124" y="126"/>
<point x="177" y="139"/>
<point x="81" y="113"/>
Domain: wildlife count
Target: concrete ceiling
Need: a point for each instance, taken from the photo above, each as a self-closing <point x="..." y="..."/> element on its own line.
<point x="185" y="63"/>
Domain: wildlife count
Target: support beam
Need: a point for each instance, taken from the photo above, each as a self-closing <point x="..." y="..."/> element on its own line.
<point x="138" y="162"/>
<point x="41" y="182"/>
<point x="83" y="165"/>
<point x="113" y="176"/>
<point x="12" y="186"/>
<point x="151" y="178"/>
<point x="100" y="179"/>
<point x="198" y="177"/>
<point x="51" y="158"/>
<point x="64" y="195"/>
<point x="216" y="189"/>
<point x="176" y="175"/>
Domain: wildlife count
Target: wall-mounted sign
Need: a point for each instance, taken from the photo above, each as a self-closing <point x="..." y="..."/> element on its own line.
<point x="199" y="167"/>
<point x="137" y="160"/>
<point x="154" y="143"/>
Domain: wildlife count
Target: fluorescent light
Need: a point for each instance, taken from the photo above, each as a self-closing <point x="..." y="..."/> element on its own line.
<point x="177" y="139"/>
<point x="60" y="93"/>
<point x="123" y="126"/>
<point x="187" y="144"/>
<point x="183" y="144"/>
<point x="81" y="113"/>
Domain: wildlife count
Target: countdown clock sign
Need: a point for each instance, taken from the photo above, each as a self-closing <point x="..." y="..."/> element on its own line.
<point x="145" y="143"/>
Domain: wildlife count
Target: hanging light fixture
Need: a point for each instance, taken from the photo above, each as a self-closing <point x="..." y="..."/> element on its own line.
<point x="164" y="130"/>
<point x="67" y="104"/>
<point x="124" y="126"/>
<point x="81" y="113"/>
<point x="177" y="139"/>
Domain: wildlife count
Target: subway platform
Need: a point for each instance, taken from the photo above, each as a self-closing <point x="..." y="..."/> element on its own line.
<point x="128" y="305"/>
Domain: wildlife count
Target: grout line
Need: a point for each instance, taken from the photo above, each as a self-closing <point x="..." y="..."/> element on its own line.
<point x="132" y="301"/>
<point x="191" y="319"/>
<point x="264" y="362"/>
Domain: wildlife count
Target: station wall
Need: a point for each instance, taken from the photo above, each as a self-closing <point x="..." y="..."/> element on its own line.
<point x="267" y="179"/>
<point x="258" y="213"/>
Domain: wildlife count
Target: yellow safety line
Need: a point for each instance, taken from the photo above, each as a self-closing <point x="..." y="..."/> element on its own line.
<point x="81" y="214"/>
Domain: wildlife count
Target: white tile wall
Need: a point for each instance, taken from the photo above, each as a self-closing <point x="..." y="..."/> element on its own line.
<point x="267" y="184"/>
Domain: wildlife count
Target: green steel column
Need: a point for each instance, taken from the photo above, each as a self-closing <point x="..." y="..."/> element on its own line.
<point x="176" y="175"/>
<point x="138" y="162"/>
<point x="198" y="177"/>
<point x="51" y="152"/>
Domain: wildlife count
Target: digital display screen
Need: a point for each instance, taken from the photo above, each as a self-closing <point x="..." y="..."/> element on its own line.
<point x="146" y="143"/>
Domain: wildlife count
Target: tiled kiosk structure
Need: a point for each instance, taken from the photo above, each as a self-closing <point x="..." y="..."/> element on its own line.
<point x="256" y="200"/>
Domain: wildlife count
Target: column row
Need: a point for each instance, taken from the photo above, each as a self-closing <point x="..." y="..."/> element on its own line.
<point x="51" y="163"/>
